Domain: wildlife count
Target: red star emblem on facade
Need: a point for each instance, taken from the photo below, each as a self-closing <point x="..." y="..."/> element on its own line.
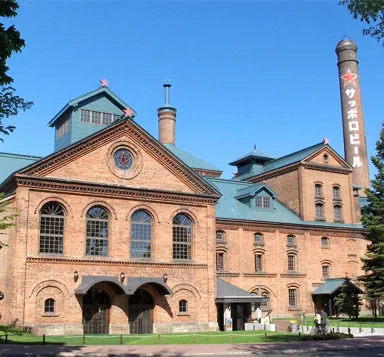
<point x="104" y="82"/>
<point x="127" y="113"/>
<point x="349" y="77"/>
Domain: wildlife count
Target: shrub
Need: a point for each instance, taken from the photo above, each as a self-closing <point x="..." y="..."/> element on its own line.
<point x="328" y="336"/>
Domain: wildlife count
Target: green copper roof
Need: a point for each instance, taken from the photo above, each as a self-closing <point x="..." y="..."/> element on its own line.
<point x="255" y="154"/>
<point x="229" y="207"/>
<point x="9" y="163"/>
<point x="283" y="161"/>
<point x="100" y="90"/>
<point x="190" y="160"/>
<point x="332" y="285"/>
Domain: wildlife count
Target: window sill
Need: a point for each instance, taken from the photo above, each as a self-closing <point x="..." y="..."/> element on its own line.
<point x="183" y="314"/>
<point x="338" y="220"/>
<point x="292" y="246"/>
<point x="320" y="219"/>
<point x="50" y="315"/>
<point x="325" y="247"/>
<point x="221" y="242"/>
<point x="319" y="197"/>
<point x="259" y="244"/>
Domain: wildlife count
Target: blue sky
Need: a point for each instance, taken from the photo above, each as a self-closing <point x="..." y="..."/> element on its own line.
<point x="243" y="73"/>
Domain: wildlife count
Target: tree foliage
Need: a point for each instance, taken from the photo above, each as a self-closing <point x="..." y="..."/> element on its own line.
<point x="370" y="12"/>
<point x="373" y="222"/>
<point x="348" y="301"/>
<point x="10" y="43"/>
<point x="6" y="218"/>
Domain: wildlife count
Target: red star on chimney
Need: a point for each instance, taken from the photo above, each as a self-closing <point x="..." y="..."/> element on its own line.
<point x="127" y="113"/>
<point x="349" y="77"/>
<point x="104" y="82"/>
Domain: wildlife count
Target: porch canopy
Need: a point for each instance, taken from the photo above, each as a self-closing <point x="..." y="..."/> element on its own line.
<point x="229" y="293"/>
<point x="333" y="285"/>
<point x="129" y="289"/>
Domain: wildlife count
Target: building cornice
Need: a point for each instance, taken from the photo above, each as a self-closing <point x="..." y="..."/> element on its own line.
<point x="319" y="167"/>
<point x="136" y="263"/>
<point x="293" y="275"/>
<point x="96" y="189"/>
<point x="223" y="223"/>
<point x="260" y="275"/>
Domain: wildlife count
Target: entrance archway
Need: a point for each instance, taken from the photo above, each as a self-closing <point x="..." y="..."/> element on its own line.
<point x="96" y="307"/>
<point x="140" y="312"/>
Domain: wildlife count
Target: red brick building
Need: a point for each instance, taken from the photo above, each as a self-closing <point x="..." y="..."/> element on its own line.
<point x="118" y="232"/>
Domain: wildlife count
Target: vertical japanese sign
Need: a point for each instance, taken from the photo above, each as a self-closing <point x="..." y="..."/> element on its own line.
<point x="353" y="115"/>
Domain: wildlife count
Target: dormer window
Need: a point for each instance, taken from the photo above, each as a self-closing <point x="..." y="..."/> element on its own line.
<point x="262" y="202"/>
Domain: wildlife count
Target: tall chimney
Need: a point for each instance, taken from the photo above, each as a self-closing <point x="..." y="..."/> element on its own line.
<point x="167" y="119"/>
<point x="355" y="147"/>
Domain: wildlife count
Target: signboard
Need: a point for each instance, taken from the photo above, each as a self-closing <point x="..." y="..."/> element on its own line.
<point x="228" y="324"/>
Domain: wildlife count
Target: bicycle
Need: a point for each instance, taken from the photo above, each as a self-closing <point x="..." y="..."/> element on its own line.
<point x="319" y="329"/>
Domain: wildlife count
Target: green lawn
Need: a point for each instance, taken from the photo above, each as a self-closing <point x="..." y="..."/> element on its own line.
<point x="17" y="337"/>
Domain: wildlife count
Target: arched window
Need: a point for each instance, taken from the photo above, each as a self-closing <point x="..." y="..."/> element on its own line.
<point x="220" y="260"/>
<point x="291" y="240"/>
<point x="49" y="306"/>
<point x="51" y="228"/>
<point x="292" y="297"/>
<point x="258" y="239"/>
<point x="220" y="237"/>
<point x="337" y="213"/>
<point x="336" y="193"/>
<point x="183" y="306"/>
<point x="326" y="271"/>
<point x="265" y="301"/>
<point x="292" y="263"/>
<point x="318" y="190"/>
<point x="141" y="235"/>
<point x="97" y="231"/>
<point x="259" y="262"/>
<point x="324" y="242"/>
<point x="182" y="237"/>
<point x="319" y="211"/>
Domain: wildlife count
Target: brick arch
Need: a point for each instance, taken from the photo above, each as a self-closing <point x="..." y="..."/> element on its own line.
<point x="326" y="261"/>
<point x="52" y="284"/>
<point x="186" y="286"/>
<point x="64" y="203"/>
<point x="186" y="211"/>
<point x="143" y="207"/>
<point x="262" y="287"/>
<point x="222" y="249"/>
<point x="293" y="285"/>
<point x="110" y="209"/>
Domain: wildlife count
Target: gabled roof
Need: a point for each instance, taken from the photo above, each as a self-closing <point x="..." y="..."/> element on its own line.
<point x="332" y="285"/>
<point x="289" y="159"/>
<point x="253" y="190"/>
<point x="10" y="163"/>
<point x="76" y="101"/>
<point x="189" y="159"/>
<point x="255" y="154"/>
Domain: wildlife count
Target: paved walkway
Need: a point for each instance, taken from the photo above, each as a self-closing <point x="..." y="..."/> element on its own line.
<point x="190" y="350"/>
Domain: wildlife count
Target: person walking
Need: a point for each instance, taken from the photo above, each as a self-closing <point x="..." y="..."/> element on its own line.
<point x="268" y="318"/>
<point x="323" y="323"/>
<point x="317" y="321"/>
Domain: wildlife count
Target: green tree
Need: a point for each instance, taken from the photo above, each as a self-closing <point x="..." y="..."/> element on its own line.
<point x="370" y="12"/>
<point x="10" y="43"/>
<point x="6" y="219"/>
<point x="373" y="222"/>
<point x="348" y="301"/>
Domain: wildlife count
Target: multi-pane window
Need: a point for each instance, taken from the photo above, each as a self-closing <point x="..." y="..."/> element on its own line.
<point x="183" y="306"/>
<point x="318" y="190"/>
<point x="258" y="238"/>
<point x="97" y="118"/>
<point x="290" y="240"/>
<point x="265" y="301"/>
<point x="325" y="271"/>
<point x="263" y="201"/>
<point x="292" y="297"/>
<point x="291" y="263"/>
<point x="182" y="237"/>
<point x="219" y="237"/>
<point x="324" y="242"/>
<point x="49" y="306"/>
<point x="319" y="211"/>
<point x="85" y="116"/>
<point x="337" y="213"/>
<point x="336" y="192"/>
<point x="97" y="231"/>
<point x="141" y="234"/>
<point x="51" y="228"/>
<point x="259" y="262"/>
<point x="220" y="261"/>
<point x="62" y="128"/>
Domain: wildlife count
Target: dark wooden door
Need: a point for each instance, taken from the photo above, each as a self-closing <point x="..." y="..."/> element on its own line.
<point x="140" y="312"/>
<point x="96" y="308"/>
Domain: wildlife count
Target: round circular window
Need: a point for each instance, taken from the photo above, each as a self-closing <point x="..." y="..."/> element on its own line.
<point x="123" y="159"/>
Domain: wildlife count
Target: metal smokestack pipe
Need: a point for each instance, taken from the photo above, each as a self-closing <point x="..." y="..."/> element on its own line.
<point x="355" y="146"/>
<point x="167" y="120"/>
